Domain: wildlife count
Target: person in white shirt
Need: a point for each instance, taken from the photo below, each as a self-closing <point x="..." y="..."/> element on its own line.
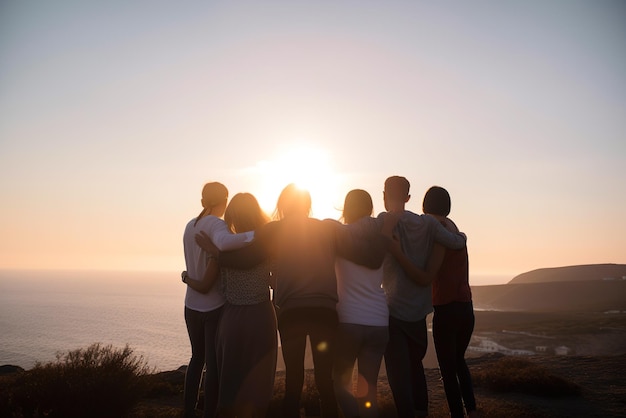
<point x="363" y="329"/>
<point x="202" y="310"/>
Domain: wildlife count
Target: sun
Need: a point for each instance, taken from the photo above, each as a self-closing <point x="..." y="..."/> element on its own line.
<point x="307" y="166"/>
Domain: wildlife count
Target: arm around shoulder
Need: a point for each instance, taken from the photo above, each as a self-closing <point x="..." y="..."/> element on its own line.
<point x="453" y="240"/>
<point x="417" y="275"/>
<point x="252" y="254"/>
<point x="362" y="242"/>
<point x="224" y="240"/>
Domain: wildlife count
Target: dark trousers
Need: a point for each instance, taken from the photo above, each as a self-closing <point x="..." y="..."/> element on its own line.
<point x="453" y="325"/>
<point x="403" y="359"/>
<point x="202" y="329"/>
<point x="320" y="324"/>
<point x="365" y="345"/>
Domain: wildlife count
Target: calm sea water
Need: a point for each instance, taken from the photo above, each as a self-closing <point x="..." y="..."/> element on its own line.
<point x="43" y="313"/>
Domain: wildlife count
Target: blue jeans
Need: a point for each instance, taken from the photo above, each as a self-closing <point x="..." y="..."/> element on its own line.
<point x="202" y="329"/>
<point x="366" y="344"/>
<point x="453" y="325"/>
<point x="320" y="324"/>
<point x="403" y="358"/>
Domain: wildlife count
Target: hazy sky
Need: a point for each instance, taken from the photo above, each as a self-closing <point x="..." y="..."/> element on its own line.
<point x="114" y="114"/>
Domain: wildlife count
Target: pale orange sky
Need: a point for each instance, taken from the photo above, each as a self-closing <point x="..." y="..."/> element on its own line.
<point x="113" y="116"/>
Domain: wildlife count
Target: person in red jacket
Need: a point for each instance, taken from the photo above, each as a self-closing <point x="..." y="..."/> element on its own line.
<point x="453" y="318"/>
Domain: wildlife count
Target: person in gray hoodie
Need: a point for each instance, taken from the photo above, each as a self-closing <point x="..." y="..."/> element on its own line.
<point x="409" y="302"/>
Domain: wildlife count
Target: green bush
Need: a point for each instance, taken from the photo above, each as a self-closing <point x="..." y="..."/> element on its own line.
<point x="513" y="374"/>
<point x="99" y="381"/>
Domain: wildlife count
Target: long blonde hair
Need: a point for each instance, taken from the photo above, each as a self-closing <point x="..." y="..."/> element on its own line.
<point x="293" y="200"/>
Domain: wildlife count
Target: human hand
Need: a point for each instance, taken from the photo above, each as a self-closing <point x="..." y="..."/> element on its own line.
<point x="390" y="220"/>
<point x="204" y="241"/>
<point x="449" y="225"/>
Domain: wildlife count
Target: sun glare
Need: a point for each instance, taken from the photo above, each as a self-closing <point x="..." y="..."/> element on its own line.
<point x="309" y="168"/>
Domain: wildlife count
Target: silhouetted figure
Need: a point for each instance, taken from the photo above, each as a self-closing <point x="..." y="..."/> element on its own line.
<point x="363" y="319"/>
<point x="409" y="302"/>
<point x="453" y="319"/>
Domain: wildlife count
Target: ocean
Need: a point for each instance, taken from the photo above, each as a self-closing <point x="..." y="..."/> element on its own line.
<point x="43" y="313"/>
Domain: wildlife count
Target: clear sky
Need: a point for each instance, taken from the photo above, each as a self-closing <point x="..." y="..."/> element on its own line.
<point x="114" y="114"/>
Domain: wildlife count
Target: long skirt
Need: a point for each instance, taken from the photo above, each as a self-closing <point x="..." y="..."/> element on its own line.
<point x="246" y="354"/>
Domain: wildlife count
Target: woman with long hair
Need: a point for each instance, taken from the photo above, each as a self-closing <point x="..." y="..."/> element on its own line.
<point x="363" y="319"/>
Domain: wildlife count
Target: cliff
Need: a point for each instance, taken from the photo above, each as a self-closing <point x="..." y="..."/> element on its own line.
<point x="573" y="274"/>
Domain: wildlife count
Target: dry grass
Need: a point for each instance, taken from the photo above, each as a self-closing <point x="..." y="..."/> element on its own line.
<point x="601" y="390"/>
<point x="505" y="387"/>
<point x="96" y="382"/>
<point x="516" y="374"/>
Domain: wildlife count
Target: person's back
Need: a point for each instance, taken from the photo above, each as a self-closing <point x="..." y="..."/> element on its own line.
<point x="363" y="318"/>
<point x="453" y="320"/>
<point x="417" y="234"/>
<point x="361" y="297"/>
<point x="303" y="253"/>
<point x="246" y="338"/>
<point x="452" y="282"/>
<point x="305" y="295"/>
<point x="195" y="261"/>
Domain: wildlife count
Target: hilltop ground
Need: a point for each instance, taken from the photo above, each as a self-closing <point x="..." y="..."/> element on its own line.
<point x="588" y="381"/>
<point x="596" y="364"/>
<point x="600" y="379"/>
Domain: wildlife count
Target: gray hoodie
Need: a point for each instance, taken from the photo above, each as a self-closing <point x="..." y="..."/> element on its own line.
<point x="407" y="300"/>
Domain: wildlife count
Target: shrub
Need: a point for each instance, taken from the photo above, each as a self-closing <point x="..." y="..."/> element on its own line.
<point x="99" y="381"/>
<point x="512" y="374"/>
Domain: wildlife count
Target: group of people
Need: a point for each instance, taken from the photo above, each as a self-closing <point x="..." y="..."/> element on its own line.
<point x="360" y="289"/>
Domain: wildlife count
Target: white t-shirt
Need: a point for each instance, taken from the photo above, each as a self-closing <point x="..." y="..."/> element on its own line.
<point x="196" y="258"/>
<point x="361" y="296"/>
